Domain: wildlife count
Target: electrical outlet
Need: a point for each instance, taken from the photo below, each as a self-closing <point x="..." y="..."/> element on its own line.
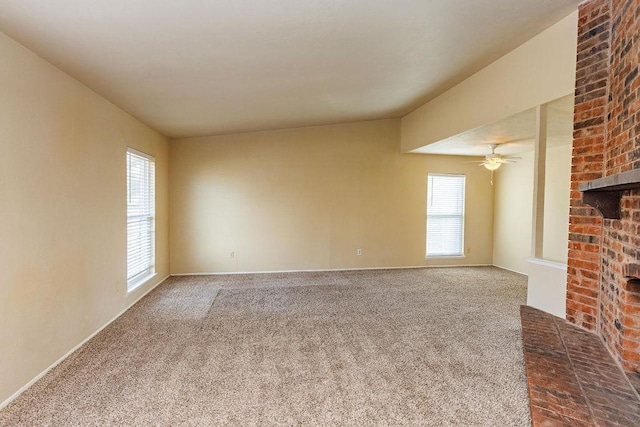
<point x="232" y="254"/>
<point x="359" y="252"/>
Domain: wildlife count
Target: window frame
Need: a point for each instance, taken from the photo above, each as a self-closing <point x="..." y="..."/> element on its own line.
<point x="144" y="275"/>
<point x="462" y="216"/>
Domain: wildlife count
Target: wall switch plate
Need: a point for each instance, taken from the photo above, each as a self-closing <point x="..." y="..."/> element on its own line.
<point x="359" y="252"/>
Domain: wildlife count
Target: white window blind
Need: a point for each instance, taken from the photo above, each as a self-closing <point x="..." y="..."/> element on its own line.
<point x="140" y="217"/>
<point x="445" y="215"/>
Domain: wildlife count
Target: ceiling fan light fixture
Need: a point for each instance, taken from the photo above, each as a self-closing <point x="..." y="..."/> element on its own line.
<point x="492" y="165"/>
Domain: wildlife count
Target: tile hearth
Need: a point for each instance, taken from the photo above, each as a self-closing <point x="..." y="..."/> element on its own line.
<point x="571" y="376"/>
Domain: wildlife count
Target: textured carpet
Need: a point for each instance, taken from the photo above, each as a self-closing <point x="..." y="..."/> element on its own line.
<point x="432" y="347"/>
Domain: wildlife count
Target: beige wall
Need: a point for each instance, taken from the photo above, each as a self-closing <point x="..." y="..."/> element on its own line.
<point x="541" y="70"/>
<point x="63" y="213"/>
<point x="308" y="198"/>
<point x="556" y="203"/>
<point x="512" y="214"/>
<point x="513" y="210"/>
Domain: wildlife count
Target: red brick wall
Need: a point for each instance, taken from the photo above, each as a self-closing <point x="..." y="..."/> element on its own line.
<point x="622" y="153"/>
<point x="585" y="224"/>
<point x="620" y="320"/>
<point x="606" y="141"/>
<point x="622" y="148"/>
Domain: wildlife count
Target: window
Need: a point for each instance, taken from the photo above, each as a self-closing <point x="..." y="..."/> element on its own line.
<point x="445" y="215"/>
<point x="140" y="217"/>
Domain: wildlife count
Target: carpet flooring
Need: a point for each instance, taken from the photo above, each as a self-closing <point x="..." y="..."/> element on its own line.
<point x="428" y="347"/>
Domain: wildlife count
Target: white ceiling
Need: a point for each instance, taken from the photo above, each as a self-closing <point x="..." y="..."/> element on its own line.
<point x="513" y="135"/>
<point x="200" y="67"/>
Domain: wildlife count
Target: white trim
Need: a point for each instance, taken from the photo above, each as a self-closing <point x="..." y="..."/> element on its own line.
<point x="135" y="284"/>
<point x="457" y="265"/>
<point x="140" y="153"/>
<point x="445" y="257"/>
<point x="448" y="174"/>
<point x="70" y="352"/>
<point x="547" y="263"/>
<point x="229" y="273"/>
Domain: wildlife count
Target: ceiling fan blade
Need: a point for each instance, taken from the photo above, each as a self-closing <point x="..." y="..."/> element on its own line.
<point x="512" y="158"/>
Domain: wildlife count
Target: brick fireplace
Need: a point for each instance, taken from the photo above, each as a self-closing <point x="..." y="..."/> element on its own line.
<point x="603" y="283"/>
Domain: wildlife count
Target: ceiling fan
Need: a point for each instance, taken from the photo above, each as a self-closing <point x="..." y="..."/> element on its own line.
<point x="493" y="161"/>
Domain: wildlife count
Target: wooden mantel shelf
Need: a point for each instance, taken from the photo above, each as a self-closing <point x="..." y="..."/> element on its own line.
<point x="605" y="193"/>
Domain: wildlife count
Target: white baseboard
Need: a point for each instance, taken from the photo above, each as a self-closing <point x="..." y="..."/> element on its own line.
<point x="227" y="273"/>
<point x="70" y="352"/>
<point x="508" y="269"/>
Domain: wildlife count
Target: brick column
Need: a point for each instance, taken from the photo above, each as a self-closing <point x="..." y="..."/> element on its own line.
<point x="603" y="287"/>
<point x="585" y="223"/>
<point x="620" y="319"/>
